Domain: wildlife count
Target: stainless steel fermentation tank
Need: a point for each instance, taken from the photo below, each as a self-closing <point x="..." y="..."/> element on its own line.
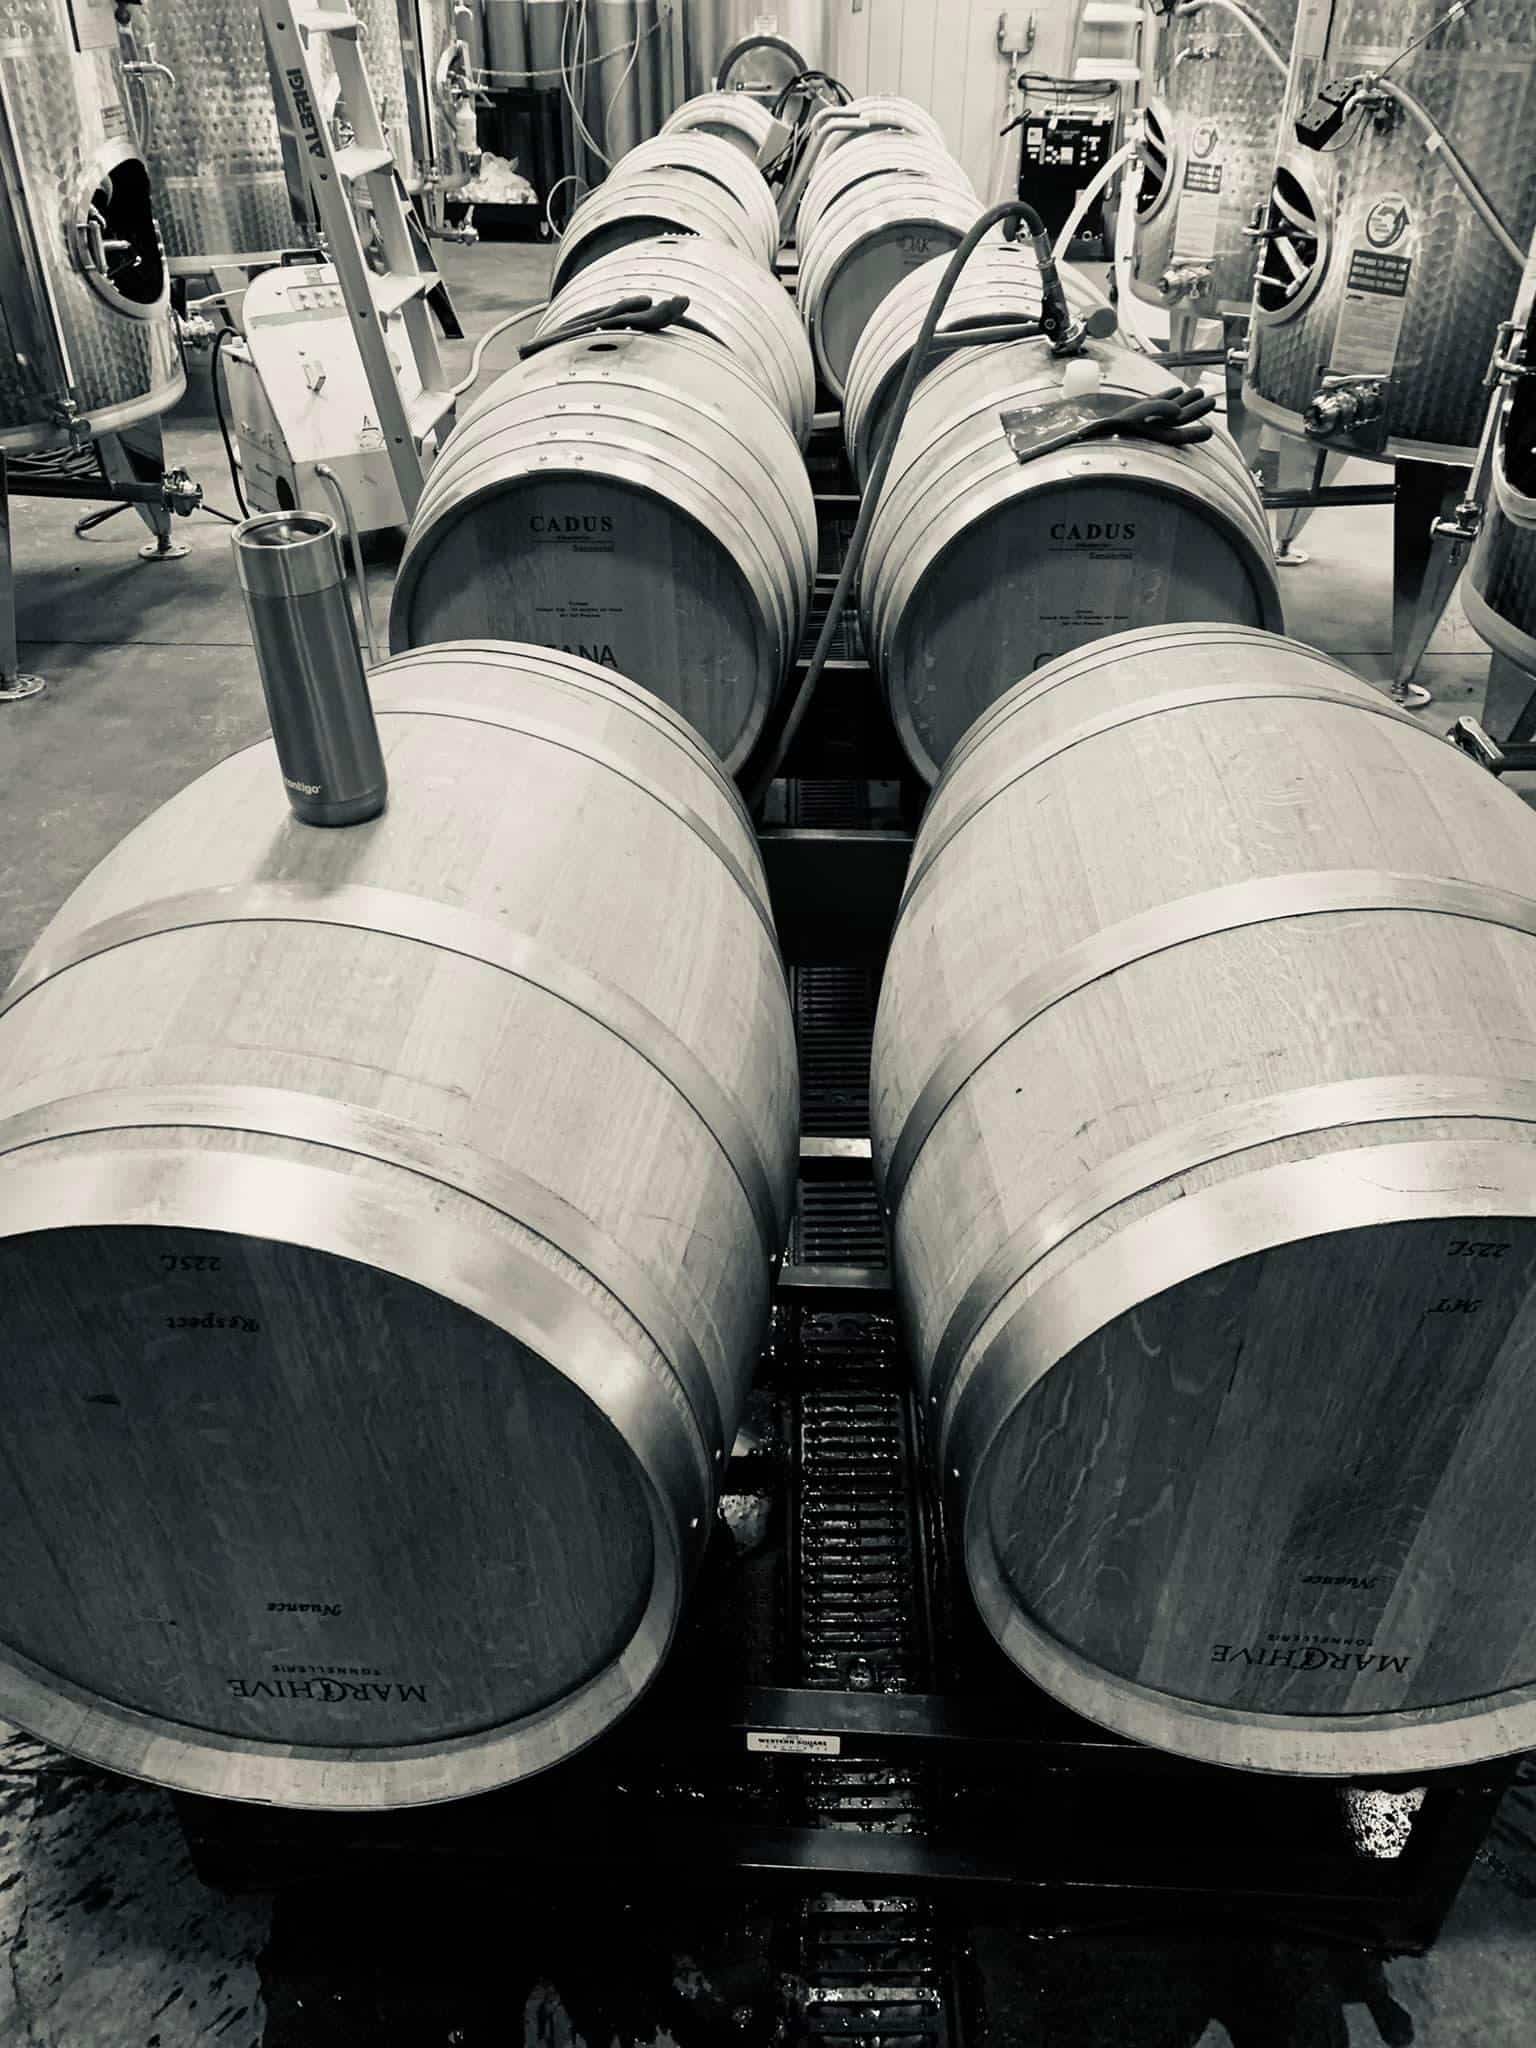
<point x="1499" y="590"/>
<point x="88" y="354"/>
<point x="1379" y="288"/>
<point x="86" y="341"/>
<point x="715" y="27"/>
<point x="1405" y="159"/>
<point x="1208" y="153"/>
<point x="203" y="108"/>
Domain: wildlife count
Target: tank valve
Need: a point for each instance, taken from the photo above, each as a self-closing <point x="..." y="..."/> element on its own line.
<point x="1346" y="407"/>
<point x="197" y="330"/>
<point x="1184" y="280"/>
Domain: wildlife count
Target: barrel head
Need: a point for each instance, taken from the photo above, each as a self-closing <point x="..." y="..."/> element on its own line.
<point x="602" y="569"/>
<point x="1295" y="1485"/>
<point x="1049" y="571"/>
<point x="279" y="1495"/>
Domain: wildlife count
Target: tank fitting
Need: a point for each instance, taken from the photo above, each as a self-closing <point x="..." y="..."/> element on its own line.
<point x="1346" y="407"/>
<point x="1184" y="280"/>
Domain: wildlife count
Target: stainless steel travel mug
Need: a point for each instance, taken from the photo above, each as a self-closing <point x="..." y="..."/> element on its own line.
<point x="312" y="675"/>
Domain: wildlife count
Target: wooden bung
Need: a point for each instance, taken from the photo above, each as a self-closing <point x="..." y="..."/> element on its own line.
<point x="1203" y="1104"/>
<point x="983" y="566"/>
<point x="386" y="1219"/>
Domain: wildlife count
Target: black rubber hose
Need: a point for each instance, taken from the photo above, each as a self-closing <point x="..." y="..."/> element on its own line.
<point x="642" y="315"/>
<point x="802" y="79"/>
<point x="221" y="413"/>
<point x="1055" y="324"/>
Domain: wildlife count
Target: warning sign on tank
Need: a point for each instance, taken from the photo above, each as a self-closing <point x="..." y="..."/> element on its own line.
<point x="1196" y="229"/>
<point x="1371" y="316"/>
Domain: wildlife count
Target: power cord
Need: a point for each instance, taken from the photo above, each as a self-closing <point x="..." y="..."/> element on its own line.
<point x="226" y="334"/>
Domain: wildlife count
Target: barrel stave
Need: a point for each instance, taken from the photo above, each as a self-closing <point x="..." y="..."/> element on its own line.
<point x="863" y="247"/>
<point x="980" y="568"/>
<point x="731" y="300"/>
<point x="1262" y="1143"/>
<point x="357" y="1071"/>
<point x="699" y="156"/>
<point x="698" y="584"/>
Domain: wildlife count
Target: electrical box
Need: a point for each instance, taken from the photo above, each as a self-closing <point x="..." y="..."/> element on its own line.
<point x="1070" y="129"/>
<point x="298" y="396"/>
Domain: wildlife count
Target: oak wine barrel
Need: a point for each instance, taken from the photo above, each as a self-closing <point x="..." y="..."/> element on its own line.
<point x="863" y="246"/>
<point x="981" y="565"/>
<point x="731" y="300"/>
<point x="1001" y="281"/>
<point x="626" y="210"/>
<point x="386" y="1218"/>
<point x="863" y="163"/>
<point x="886" y="110"/>
<point x="632" y="498"/>
<point x="697" y="155"/>
<point x="1204" y="1111"/>
<point x="735" y="117"/>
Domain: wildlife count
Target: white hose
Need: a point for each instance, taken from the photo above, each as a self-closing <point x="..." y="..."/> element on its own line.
<point x="1087" y="196"/>
<point x="1439" y="140"/>
<point x="333" y="484"/>
<point x="490" y="334"/>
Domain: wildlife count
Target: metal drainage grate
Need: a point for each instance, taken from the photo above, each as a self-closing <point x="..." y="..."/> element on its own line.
<point x="835" y="1027"/>
<point x="873" y="1969"/>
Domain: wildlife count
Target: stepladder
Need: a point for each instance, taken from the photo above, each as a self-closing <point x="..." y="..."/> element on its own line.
<point x="387" y="280"/>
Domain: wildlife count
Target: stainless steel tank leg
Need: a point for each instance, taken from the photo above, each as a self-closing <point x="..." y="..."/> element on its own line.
<point x="14" y="686"/>
<point x="1242" y="425"/>
<point x="137" y="455"/>
<point x="1429" y="552"/>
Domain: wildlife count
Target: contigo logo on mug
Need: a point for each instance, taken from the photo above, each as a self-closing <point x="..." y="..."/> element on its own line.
<point x="302" y="788"/>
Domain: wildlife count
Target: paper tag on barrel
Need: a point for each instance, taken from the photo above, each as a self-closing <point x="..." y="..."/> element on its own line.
<point x="774" y="1742"/>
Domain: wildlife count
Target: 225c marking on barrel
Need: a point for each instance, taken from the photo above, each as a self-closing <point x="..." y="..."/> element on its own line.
<point x="174" y="1262"/>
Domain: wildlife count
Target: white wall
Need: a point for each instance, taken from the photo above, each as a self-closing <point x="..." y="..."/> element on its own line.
<point x="944" y="55"/>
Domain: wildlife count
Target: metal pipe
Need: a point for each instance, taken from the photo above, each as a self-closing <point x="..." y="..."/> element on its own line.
<point x="312" y="675"/>
<point x="14" y="686"/>
<point x="1438" y="140"/>
<point x="1330" y="494"/>
<point x="1242" y="15"/>
<point x="124" y="490"/>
